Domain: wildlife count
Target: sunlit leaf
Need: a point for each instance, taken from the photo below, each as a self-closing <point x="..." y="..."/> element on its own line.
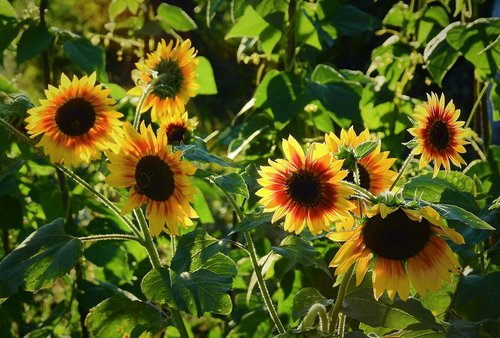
<point x="156" y="286"/>
<point x="252" y="221"/>
<point x="205" y="77"/>
<point x="450" y="211"/>
<point x="364" y="149"/>
<point x="119" y="315"/>
<point x="232" y="183"/>
<point x="48" y="253"/>
<point x="251" y="24"/>
<point x="201" y="275"/>
<point x="173" y="17"/>
<point x="6" y="10"/>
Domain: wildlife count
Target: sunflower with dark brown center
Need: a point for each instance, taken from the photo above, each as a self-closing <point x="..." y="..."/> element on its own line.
<point x="374" y="170"/>
<point x="406" y="246"/>
<point x="157" y="177"/>
<point x="173" y="70"/>
<point x="440" y="136"/>
<point x="77" y="121"/>
<point x="177" y="127"/>
<point x="306" y="188"/>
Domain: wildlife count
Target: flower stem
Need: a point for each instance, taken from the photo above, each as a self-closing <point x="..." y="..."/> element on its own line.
<point x="356" y="180"/>
<point x="137" y="116"/>
<point x="363" y="192"/>
<point x="13" y="130"/>
<point x="317" y="310"/>
<point x="401" y="171"/>
<point x="340" y="298"/>
<point x="258" y="272"/>
<point x="108" y="237"/>
<point x="476" y="104"/>
<point x="155" y="261"/>
<point x="100" y="196"/>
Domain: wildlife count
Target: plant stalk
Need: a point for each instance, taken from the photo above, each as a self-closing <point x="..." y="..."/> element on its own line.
<point x="340" y="298"/>
<point x="403" y="168"/>
<point x="258" y="272"/>
<point x="108" y="237"/>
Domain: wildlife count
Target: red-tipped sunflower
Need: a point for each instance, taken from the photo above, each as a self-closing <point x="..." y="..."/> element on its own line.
<point x="374" y="169"/>
<point x="157" y="177"/>
<point x="405" y="245"/>
<point x="176" y="127"/>
<point x="439" y="135"/>
<point x="173" y="68"/>
<point x="307" y="188"/>
<point x="77" y="120"/>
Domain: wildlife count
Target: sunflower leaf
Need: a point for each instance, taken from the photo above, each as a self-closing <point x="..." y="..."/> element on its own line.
<point x="173" y="17"/>
<point x="252" y="221"/>
<point x="364" y="149"/>
<point x="232" y="183"/>
<point x="156" y="286"/>
<point x="450" y="211"/>
<point x="48" y="253"/>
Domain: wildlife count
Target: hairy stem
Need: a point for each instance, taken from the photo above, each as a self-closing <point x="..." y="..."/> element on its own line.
<point x="108" y="237"/>
<point x="334" y="316"/>
<point x="401" y="171"/>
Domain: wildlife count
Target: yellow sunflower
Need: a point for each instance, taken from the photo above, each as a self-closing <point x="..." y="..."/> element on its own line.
<point x="307" y="188"/>
<point x="405" y="245"/>
<point x="439" y="135"/>
<point x="77" y="120"/>
<point x="157" y="177"/>
<point x="374" y="169"/>
<point x="174" y="68"/>
<point x="176" y="127"/>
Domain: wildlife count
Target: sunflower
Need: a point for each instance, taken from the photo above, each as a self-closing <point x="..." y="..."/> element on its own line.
<point x="439" y="135"/>
<point x="157" y="177"/>
<point x="374" y="169"/>
<point x="176" y="127"/>
<point x="174" y="68"/>
<point x="77" y="120"/>
<point x="406" y="245"/>
<point x="307" y="188"/>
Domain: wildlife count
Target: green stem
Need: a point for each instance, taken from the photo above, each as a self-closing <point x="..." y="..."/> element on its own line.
<point x="155" y="261"/>
<point x="363" y="192"/>
<point x="317" y="310"/>
<point x="137" y="116"/>
<point x="401" y="171"/>
<point x="13" y="130"/>
<point x="255" y="264"/>
<point x="100" y="196"/>
<point x="108" y="237"/>
<point x="356" y="180"/>
<point x="476" y="104"/>
<point x="340" y="298"/>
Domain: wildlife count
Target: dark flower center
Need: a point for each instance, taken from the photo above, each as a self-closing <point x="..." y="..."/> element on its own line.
<point x="439" y="135"/>
<point x="364" y="177"/>
<point x="170" y="79"/>
<point x="154" y="178"/>
<point x="76" y="117"/>
<point x="304" y="188"/>
<point x="396" y="237"/>
<point x="175" y="133"/>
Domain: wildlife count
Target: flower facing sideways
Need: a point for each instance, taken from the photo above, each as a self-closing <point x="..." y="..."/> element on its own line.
<point x="172" y="68"/>
<point x="77" y="121"/>
<point x="404" y="245"/>
<point x="439" y="135"/>
<point x="306" y="188"/>
<point x="158" y="177"/>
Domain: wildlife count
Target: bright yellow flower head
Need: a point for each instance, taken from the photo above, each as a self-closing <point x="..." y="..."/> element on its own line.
<point x="77" y="121"/>
<point x="306" y="188"/>
<point x="404" y="245"/>
<point x="173" y="69"/>
<point x="439" y="135"/>
<point x="157" y="177"/>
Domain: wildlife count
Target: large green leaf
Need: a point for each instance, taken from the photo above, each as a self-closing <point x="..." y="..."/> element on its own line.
<point x="156" y="286"/>
<point x="359" y="304"/>
<point x="298" y="250"/>
<point x="439" y="55"/>
<point x="478" y="42"/>
<point x="232" y="183"/>
<point x="173" y="17"/>
<point x="33" y="42"/>
<point x="352" y="21"/>
<point x="119" y="315"/>
<point x="88" y="57"/>
<point x="6" y="10"/>
<point x="48" y="253"/>
<point x="8" y="32"/>
<point x="433" y="19"/>
<point x="252" y="221"/>
<point x="201" y="275"/>
<point x="198" y="152"/>
<point x="205" y="77"/>
<point x="478" y="297"/>
<point x="453" y="188"/>
<point x="251" y="24"/>
<point x="453" y="212"/>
